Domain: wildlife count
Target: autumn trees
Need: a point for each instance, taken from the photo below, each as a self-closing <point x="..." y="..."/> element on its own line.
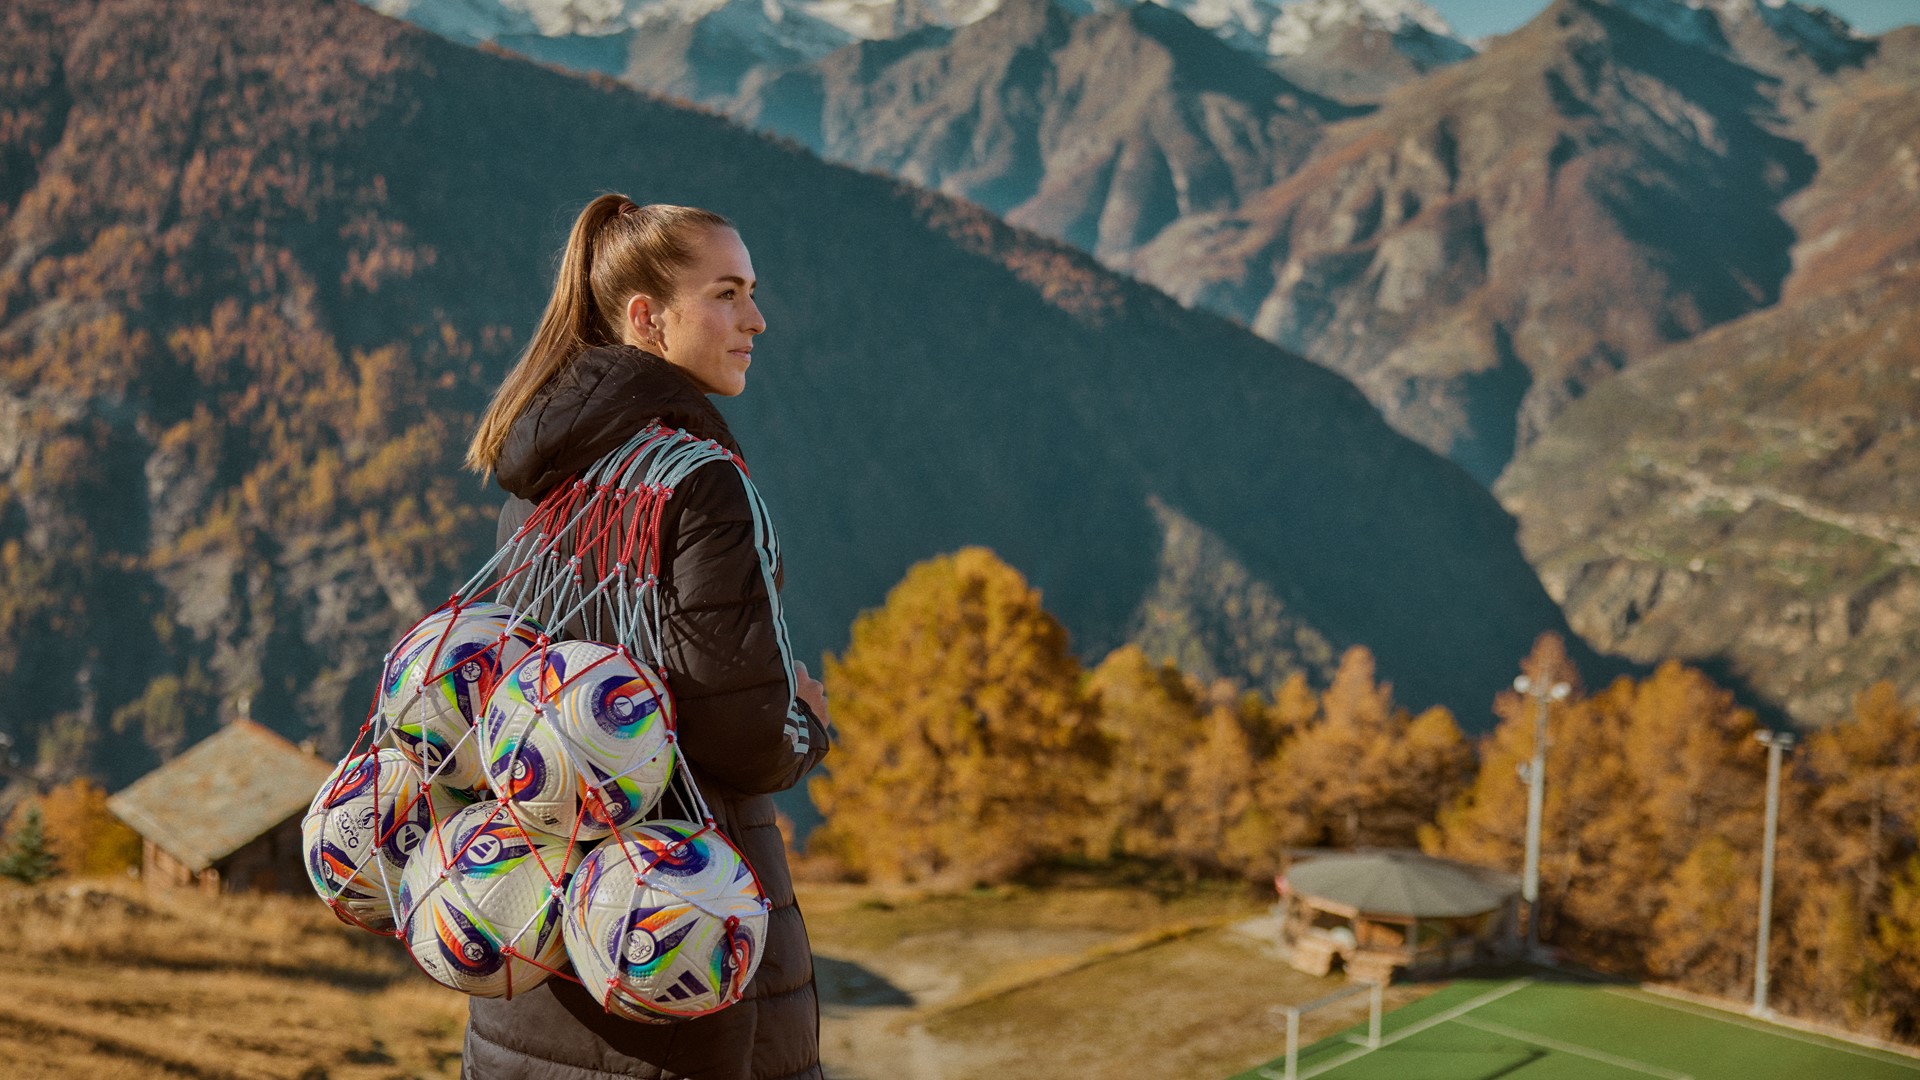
<point x="1848" y="929"/>
<point x="1651" y="841"/>
<point x="68" y="830"/>
<point x="1651" y="823"/>
<point x="966" y="751"/>
<point x="972" y="744"/>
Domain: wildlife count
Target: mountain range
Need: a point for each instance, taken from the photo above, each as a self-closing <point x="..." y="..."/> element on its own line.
<point x="1474" y="252"/>
<point x="1284" y="30"/>
<point x="1479" y="237"/>
<point x="262" y="264"/>
<point x="1092" y="121"/>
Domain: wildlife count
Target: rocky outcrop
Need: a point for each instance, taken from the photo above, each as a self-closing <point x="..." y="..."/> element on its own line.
<point x="1748" y="498"/>
<point x="1213" y="618"/>
<point x="1761" y="518"/>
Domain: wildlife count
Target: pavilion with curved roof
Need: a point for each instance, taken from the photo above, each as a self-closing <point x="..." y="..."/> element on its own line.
<point x="1381" y="913"/>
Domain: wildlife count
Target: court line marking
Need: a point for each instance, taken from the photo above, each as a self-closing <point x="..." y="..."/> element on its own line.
<point x="1601" y="1056"/>
<point x="1410" y="1030"/>
<point x="1870" y="1054"/>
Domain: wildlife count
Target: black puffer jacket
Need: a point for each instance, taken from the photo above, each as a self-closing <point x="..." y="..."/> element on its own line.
<point x="741" y="731"/>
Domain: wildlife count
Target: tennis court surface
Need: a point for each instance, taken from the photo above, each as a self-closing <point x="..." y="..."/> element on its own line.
<point x="1530" y="1028"/>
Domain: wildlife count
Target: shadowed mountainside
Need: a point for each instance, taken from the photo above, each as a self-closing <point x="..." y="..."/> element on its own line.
<point x="263" y="265"/>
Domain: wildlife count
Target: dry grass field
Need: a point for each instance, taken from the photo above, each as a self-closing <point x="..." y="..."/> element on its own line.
<point x="104" y="979"/>
<point x="1083" y="982"/>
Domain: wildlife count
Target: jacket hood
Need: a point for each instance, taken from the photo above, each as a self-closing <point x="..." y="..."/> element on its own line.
<point x="595" y="403"/>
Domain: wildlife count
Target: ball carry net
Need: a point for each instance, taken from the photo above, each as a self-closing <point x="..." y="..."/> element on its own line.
<point x="515" y="807"/>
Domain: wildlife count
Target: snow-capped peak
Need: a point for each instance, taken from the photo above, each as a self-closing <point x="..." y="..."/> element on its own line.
<point x="488" y="20"/>
<point x="1290" y="28"/>
<point x="1268" y="27"/>
<point x="1302" y="21"/>
<point x="1705" y="22"/>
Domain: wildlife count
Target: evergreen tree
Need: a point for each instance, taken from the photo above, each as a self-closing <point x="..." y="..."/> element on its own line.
<point x="967" y="750"/>
<point x="28" y="858"/>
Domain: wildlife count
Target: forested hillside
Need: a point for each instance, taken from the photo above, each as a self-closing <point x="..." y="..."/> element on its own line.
<point x="261" y="264"/>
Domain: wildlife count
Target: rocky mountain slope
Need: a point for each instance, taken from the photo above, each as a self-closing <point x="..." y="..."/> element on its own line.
<point x="1751" y="495"/>
<point x="1094" y="121"/>
<point x="1100" y="130"/>
<point x="1357" y="50"/>
<point x="261" y="266"/>
<point x="1490" y="246"/>
<point x="1496" y="240"/>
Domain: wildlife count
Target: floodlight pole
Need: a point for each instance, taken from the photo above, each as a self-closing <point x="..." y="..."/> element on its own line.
<point x="1777" y="744"/>
<point x="1541" y="693"/>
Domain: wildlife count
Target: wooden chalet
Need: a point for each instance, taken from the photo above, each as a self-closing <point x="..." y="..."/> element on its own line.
<point x="1376" y="914"/>
<point x="225" y="815"/>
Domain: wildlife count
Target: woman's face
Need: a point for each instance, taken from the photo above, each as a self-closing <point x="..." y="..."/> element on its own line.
<point x="708" y="329"/>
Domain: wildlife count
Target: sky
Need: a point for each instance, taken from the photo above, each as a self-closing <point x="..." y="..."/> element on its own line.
<point x="1479" y="18"/>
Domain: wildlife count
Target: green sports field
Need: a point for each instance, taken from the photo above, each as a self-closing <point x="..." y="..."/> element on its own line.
<point x="1530" y="1028"/>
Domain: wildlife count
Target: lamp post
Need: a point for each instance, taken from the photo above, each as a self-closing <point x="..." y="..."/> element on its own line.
<point x="1542" y="693"/>
<point x="1777" y="744"/>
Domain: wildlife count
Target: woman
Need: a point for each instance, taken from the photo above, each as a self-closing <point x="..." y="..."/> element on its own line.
<point x="654" y="310"/>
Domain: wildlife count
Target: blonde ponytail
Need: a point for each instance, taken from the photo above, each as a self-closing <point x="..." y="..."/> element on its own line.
<point x="617" y="248"/>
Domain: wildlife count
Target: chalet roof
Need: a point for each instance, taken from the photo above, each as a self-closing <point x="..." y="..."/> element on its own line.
<point x="1401" y="883"/>
<point x="226" y="791"/>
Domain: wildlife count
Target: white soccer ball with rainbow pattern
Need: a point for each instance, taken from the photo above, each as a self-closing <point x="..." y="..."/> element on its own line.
<point x="665" y="922"/>
<point x="479" y="903"/>
<point x="578" y="738"/>
<point x="359" y="830"/>
<point x="436" y="683"/>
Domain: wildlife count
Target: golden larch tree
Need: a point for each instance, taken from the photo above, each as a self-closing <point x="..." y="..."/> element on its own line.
<point x="1586" y="824"/>
<point x="966" y="748"/>
<point x="1849" y="833"/>
<point x="1152" y="720"/>
<point x="1363" y="771"/>
<point x="84" y="834"/>
<point x="1217" y="824"/>
<point x="1702" y="779"/>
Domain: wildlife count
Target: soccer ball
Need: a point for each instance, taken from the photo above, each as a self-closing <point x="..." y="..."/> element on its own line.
<point x="579" y="739"/>
<point x="665" y="922"/>
<point x="479" y="904"/>
<point x="362" y="825"/>
<point x="437" y="681"/>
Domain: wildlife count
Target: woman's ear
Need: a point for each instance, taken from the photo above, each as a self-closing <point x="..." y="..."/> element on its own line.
<point x="643" y="322"/>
